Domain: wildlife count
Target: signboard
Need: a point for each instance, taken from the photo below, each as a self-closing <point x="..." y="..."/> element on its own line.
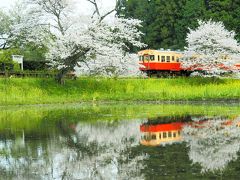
<point x="18" y="59"/>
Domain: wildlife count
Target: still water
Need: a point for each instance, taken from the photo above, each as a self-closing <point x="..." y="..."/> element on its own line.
<point x="120" y="141"/>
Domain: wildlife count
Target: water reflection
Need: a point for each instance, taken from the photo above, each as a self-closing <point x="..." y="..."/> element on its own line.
<point x="116" y="144"/>
<point x="108" y="148"/>
<point x="154" y="135"/>
<point x="213" y="141"/>
<point x="85" y="151"/>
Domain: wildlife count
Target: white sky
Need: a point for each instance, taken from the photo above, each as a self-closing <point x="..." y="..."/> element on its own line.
<point x="84" y="6"/>
<point x="5" y="4"/>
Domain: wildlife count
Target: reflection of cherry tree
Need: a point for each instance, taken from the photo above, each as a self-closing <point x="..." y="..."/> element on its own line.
<point x="214" y="143"/>
<point x="98" y="151"/>
<point x="113" y="144"/>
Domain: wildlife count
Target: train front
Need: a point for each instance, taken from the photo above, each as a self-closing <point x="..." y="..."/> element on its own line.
<point x="160" y="62"/>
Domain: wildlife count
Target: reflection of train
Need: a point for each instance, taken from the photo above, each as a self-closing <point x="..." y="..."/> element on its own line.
<point x="154" y="133"/>
<point x="161" y="133"/>
<point x="163" y="63"/>
<point x="161" y="130"/>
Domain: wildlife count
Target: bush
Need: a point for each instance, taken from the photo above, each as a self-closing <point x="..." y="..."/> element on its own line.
<point x="6" y="61"/>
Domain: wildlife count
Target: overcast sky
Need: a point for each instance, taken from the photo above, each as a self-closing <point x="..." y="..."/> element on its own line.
<point x="83" y="5"/>
<point x="6" y="3"/>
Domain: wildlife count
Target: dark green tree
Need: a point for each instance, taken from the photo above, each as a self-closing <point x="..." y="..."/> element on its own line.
<point x="227" y="11"/>
<point x="159" y="20"/>
<point x="166" y="23"/>
<point x="192" y="11"/>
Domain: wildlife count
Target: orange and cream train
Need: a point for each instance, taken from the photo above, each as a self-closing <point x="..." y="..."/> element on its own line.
<point x="153" y="135"/>
<point x="163" y="62"/>
<point x="162" y="133"/>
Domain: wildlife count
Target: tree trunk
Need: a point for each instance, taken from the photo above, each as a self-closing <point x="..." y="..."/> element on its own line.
<point x="60" y="76"/>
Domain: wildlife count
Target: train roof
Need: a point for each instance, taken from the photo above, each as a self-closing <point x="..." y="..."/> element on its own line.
<point x="161" y="51"/>
<point x="162" y="127"/>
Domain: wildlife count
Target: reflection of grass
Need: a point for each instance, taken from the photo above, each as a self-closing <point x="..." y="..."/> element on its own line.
<point x="41" y="91"/>
<point x="41" y="120"/>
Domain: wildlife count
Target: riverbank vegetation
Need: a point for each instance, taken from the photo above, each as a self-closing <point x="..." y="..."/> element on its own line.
<point x="43" y="118"/>
<point x="45" y="91"/>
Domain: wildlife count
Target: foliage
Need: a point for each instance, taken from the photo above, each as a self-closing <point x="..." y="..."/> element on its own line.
<point x="43" y="91"/>
<point x="4" y="28"/>
<point x="227" y="11"/>
<point x="13" y="37"/>
<point x="6" y="58"/>
<point x="211" y="48"/>
<point x="6" y="55"/>
<point x="72" y="39"/>
<point x="32" y="52"/>
<point x="37" y="65"/>
<point x="166" y="23"/>
<point x="110" y="67"/>
<point x="192" y="10"/>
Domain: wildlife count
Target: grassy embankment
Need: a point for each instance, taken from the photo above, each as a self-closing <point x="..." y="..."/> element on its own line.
<point x="42" y="91"/>
<point x="40" y="120"/>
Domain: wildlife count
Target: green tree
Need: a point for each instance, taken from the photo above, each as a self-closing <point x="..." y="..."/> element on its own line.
<point x="192" y="11"/>
<point x="5" y="23"/>
<point x="6" y="59"/>
<point x="159" y="20"/>
<point x="166" y="23"/>
<point x="10" y="42"/>
<point x="227" y="11"/>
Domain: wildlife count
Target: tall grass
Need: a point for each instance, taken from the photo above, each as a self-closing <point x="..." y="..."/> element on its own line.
<point x="42" y="91"/>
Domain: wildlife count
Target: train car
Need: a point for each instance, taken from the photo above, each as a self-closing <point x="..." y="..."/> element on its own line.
<point x="154" y="135"/>
<point x="161" y="62"/>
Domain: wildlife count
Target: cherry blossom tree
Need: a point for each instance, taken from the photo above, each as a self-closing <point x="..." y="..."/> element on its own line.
<point x="121" y="63"/>
<point x="211" y="48"/>
<point x="4" y="29"/>
<point x="74" y="40"/>
<point x="10" y="35"/>
<point x="108" y="65"/>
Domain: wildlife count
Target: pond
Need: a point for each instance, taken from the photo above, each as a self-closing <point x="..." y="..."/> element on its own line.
<point x="120" y="141"/>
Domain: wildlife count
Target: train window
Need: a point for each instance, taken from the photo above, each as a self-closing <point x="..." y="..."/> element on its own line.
<point x="168" y="58"/>
<point x="152" y="57"/>
<point x="160" y="136"/>
<point x="146" y="58"/>
<point x="179" y="133"/>
<point x="164" y="135"/>
<point x="140" y="58"/>
<point x="174" y="134"/>
<point x="154" y="137"/>
<point x="162" y="58"/>
<point x="158" y="58"/>
<point x="146" y="137"/>
<point x="177" y="59"/>
<point x="173" y="58"/>
<point x="169" y="134"/>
